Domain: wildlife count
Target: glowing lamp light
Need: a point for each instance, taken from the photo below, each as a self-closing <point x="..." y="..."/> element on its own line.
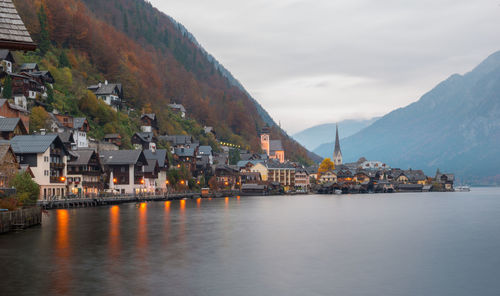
<point x="167" y="182"/>
<point x="226" y="183"/>
<point x="62" y="179"/>
<point x="142" y="181"/>
<point x="182" y="182"/>
<point x="115" y="180"/>
<point x="178" y="166"/>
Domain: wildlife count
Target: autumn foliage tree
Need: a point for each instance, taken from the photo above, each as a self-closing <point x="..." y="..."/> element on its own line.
<point x="38" y="119"/>
<point x="326" y="165"/>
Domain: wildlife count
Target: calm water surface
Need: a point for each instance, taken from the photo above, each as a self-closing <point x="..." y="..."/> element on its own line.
<point x="395" y="244"/>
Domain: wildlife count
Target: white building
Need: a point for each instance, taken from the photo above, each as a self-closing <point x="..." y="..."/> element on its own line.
<point x="47" y="157"/>
<point x="110" y="93"/>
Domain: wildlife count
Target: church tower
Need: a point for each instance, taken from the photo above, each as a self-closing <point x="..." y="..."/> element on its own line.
<point x="337" y="154"/>
<point x="265" y="141"/>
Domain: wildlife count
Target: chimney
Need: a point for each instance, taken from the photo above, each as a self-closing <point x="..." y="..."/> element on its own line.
<point x="99" y="84"/>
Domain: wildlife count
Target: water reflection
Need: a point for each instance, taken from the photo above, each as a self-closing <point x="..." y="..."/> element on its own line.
<point x="142" y="233"/>
<point x="114" y="231"/>
<point x="198" y="202"/>
<point x="63" y="277"/>
<point x="166" y="222"/>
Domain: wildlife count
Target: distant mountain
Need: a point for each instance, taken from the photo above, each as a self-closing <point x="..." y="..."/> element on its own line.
<point x="454" y="127"/>
<point x="314" y="136"/>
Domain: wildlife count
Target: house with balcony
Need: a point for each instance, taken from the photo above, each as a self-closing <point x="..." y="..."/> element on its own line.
<point x="110" y="93"/>
<point x="302" y="180"/>
<point x="85" y="174"/>
<point x="282" y="173"/>
<point x="125" y="169"/>
<point x="46" y="156"/>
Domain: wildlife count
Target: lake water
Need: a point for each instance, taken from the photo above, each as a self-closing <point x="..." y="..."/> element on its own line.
<point x="384" y="244"/>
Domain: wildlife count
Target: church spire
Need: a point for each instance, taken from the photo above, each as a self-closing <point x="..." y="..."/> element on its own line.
<point x="337" y="154"/>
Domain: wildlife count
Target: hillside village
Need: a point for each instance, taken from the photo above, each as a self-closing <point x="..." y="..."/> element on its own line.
<point x="65" y="161"/>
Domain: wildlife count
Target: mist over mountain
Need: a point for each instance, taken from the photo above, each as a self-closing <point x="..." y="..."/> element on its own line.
<point x="454" y="127"/>
<point x="317" y="135"/>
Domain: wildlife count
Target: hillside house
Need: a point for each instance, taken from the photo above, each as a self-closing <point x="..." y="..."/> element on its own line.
<point x="149" y="123"/>
<point x="178" y="108"/>
<point x="46" y="156"/>
<point x="110" y="93"/>
<point x="11" y="127"/>
<point x="160" y="156"/>
<point x="144" y="140"/>
<point x="113" y="139"/>
<point x="125" y="169"/>
<point x="80" y="129"/>
<point x="12" y="111"/>
<point x="85" y="174"/>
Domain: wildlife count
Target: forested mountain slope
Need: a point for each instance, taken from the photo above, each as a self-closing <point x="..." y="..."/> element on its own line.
<point x="155" y="58"/>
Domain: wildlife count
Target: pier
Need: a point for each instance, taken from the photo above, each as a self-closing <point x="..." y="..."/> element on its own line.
<point x="126" y="198"/>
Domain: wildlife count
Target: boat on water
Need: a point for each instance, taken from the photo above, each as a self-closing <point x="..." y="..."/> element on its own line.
<point x="338" y="191"/>
<point x="463" y="188"/>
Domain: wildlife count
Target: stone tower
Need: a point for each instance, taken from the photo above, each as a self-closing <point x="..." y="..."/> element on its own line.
<point x="265" y="140"/>
<point x="337" y="154"/>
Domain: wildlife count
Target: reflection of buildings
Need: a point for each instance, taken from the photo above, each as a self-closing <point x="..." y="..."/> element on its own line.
<point x="273" y="148"/>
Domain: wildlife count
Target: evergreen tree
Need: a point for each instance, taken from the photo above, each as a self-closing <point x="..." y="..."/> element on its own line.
<point x="44" y="32"/>
<point x="63" y="60"/>
<point x="7" y="89"/>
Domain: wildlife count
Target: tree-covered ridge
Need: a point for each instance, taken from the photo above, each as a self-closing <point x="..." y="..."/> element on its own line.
<point x="130" y="42"/>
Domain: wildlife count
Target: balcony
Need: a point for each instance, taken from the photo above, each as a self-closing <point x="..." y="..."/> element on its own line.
<point x="57" y="165"/>
<point x="57" y="180"/>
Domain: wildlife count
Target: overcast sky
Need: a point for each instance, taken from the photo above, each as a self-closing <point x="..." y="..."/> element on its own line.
<point x="317" y="61"/>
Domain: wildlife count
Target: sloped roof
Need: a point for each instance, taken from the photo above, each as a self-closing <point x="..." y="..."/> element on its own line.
<point x="118" y="157"/>
<point x="9" y="124"/>
<point x="13" y="33"/>
<point x="84" y="157"/>
<point x="112" y="136"/>
<point x="177" y="106"/>
<point x="5" y="54"/>
<point x="78" y="122"/>
<point x="276" y="145"/>
<point x="243" y="163"/>
<point x="204" y="150"/>
<point x="160" y="155"/>
<point x="66" y="136"/>
<point x="34" y="143"/>
<point x="150" y="166"/>
<point x="29" y="66"/>
<point x="106" y="89"/>
<point x="13" y="106"/>
<point x="4" y="148"/>
<point x="278" y="165"/>
<point x="145" y="136"/>
<point x="184" y="152"/>
<point x="152" y="116"/>
<point x="177" y="139"/>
